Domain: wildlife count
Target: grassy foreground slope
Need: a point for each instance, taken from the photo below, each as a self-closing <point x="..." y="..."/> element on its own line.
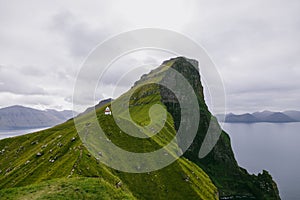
<point x="54" y="163"/>
<point x="67" y="189"/>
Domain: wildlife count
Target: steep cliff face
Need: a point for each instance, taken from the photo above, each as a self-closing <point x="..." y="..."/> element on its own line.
<point x="231" y="180"/>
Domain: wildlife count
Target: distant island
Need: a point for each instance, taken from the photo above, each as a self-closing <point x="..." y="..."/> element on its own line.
<point x="264" y="116"/>
<point x="20" y="117"/>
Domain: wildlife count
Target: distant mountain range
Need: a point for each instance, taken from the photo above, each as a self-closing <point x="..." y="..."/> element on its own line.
<point x="264" y="116"/>
<point x="20" y="117"/>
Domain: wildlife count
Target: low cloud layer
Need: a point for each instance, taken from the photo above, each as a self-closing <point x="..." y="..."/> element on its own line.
<point x="254" y="44"/>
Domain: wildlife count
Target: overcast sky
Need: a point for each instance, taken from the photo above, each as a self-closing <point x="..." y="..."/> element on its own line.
<point x="255" y="45"/>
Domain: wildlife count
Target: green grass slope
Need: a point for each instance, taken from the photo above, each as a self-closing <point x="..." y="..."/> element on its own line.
<point x="67" y="189"/>
<point x="54" y="163"/>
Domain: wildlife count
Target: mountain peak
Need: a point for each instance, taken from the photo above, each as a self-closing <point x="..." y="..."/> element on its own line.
<point x="189" y="69"/>
<point x="14" y="106"/>
<point x="186" y="67"/>
<point x="181" y="60"/>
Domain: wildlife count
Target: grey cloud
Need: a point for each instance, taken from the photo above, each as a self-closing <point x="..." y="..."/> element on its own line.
<point x="12" y="81"/>
<point x="255" y="45"/>
<point x="30" y="70"/>
<point x="68" y="99"/>
<point x="267" y="100"/>
<point x="79" y="36"/>
<point x="31" y="79"/>
<point x="38" y="101"/>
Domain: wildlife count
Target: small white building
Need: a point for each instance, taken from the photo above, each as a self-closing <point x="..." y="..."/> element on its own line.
<point x="107" y="111"/>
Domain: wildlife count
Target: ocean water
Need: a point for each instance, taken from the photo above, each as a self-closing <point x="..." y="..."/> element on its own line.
<point x="270" y="146"/>
<point x="12" y="133"/>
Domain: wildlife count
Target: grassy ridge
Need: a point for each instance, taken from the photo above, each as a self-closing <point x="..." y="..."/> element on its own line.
<point x="58" y="155"/>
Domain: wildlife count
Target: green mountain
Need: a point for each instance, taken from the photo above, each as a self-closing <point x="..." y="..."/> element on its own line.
<point x="56" y="164"/>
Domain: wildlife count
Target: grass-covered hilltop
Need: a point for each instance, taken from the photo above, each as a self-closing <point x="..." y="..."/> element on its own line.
<point x="55" y="163"/>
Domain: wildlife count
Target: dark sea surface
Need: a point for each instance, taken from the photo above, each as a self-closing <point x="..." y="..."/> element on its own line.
<point x="271" y="146"/>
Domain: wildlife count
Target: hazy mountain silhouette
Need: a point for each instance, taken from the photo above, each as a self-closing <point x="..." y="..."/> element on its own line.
<point x="19" y="117"/>
<point x="264" y="116"/>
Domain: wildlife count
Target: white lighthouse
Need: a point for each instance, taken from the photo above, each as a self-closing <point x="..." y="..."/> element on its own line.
<point x="107" y="111"/>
